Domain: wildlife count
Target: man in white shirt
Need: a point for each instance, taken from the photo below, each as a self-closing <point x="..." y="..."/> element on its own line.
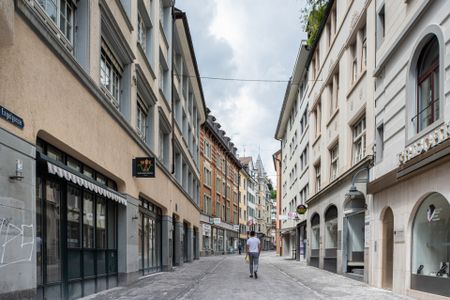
<point x="253" y="250"/>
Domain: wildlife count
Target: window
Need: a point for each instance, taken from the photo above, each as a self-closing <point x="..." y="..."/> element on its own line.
<point x="164" y="142"/>
<point x="354" y="60"/>
<point x="379" y="143"/>
<point x="318" y="116"/>
<point x="142" y="33"/>
<point x="363" y="33"/>
<point x="334" y="155"/>
<point x="317" y="171"/>
<point x="207" y="149"/>
<point x="217" y="185"/>
<point x="428" y="109"/>
<point x="61" y="12"/>
<point x="334" y="91"/>
<point x="207" y="209"/>
<point x="110" y="74"/>
<point x="207" y="175"/>
<point x="380" y="26"/>
<point x="141" y="118"/>
<point x="359" y="140"/>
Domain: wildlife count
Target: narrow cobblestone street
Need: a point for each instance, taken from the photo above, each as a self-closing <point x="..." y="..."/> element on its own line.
<point x="226" y="277"/>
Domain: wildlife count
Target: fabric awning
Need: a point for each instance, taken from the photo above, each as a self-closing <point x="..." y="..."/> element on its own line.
<point x="69" y="176"/>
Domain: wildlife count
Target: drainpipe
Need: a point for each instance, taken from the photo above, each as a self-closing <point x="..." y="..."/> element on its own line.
<point x="172" y="85"/>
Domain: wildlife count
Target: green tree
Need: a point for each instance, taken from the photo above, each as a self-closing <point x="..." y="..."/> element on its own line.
<point x="273" y="194"/>
<point x="312" y="15"/>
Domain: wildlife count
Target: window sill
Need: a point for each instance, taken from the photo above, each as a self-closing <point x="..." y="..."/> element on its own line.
<point x="356" y="83"/>
<point x="163" y="96"/>
<point x="316" y="140"/>
<point x="332" y="117"/>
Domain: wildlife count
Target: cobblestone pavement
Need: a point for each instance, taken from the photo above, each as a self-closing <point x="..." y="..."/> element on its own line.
<point x="227" y="277"/>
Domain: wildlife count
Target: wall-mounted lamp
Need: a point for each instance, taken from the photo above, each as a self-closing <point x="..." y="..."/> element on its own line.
<point x="19" y="171"/>
<point x="135" y="217"/>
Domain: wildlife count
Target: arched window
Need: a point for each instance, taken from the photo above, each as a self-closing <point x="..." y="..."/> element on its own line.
<point x="331" y="227"/>
<point x="315" y="228"/>
<point x="428" y="109"/>
<point x="431" y="246"/>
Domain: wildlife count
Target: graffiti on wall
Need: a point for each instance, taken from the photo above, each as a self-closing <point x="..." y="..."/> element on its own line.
<point x="16" y="242"/>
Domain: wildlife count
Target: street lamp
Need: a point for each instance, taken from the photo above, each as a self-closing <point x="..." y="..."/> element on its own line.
<point x="354" y="193"/>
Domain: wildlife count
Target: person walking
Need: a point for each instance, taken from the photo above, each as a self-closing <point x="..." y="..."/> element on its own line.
<point x="253" y="250"/>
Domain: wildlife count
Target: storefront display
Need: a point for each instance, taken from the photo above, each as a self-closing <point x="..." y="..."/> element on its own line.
<point x="76" y="219"/>
<point x="315" y="240"/>
<point x="330" y="259"/>
<point x="431" y="246"/>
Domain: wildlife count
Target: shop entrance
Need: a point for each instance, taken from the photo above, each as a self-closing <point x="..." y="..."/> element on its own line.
<point x="149" y="228"/>
<point x="354" y="211"/>
<point x="388" y="249"/>
<point x="76" y="227"/>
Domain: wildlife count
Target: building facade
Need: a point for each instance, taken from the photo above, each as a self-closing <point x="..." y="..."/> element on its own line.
<point x="277" y="166"/>
<point x="249" y="168"/>
<point x="410" y="240"/>
<point x="95" y="97"/>
<point x="244" y="178"/>
<point x="340" y="93"/>
<point x="293" y="132"/>
<point x="220" y="190"/>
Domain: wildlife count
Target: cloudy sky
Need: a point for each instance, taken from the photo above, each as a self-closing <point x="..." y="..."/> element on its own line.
<point x="246" y="39"/>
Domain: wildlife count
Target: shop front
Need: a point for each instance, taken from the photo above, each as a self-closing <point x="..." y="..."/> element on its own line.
<point x="76" y="227"/>
<point x="150" y="237"/>
<point x="412" y="228"/>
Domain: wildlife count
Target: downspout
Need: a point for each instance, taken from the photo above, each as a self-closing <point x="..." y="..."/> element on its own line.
<point x="173" y="86"/>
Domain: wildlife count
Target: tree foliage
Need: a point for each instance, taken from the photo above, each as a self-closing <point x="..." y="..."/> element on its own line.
<point x="312" y="15"/>
<point x="273" y="194"/>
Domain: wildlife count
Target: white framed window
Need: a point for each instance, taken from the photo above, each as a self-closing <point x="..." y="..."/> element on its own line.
<point x="61" y="12"/>
<point x="359" y="140"/>
<point x="141" y="118"/>
<point x="110" y="74"/>
<point x="334" y="155"/>
<point x="318" y="179"/>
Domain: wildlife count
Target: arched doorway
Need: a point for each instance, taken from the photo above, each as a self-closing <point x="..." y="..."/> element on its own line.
<point x="315" y="240"/>
<point x="331" y="224"/>
<point x="387" y="256"/>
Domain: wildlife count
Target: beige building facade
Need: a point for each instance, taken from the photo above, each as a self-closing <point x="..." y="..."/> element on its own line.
<point x="341" y="137"/>
<point x="87" y="89"/>
<point x="410" y="240"/>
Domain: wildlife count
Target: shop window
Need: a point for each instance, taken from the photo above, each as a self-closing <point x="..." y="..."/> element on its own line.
<point x="431" y="246"/>
<point x="315" y="230"/>
<point x="331" y="228"/>
<point x="427" y="108"/>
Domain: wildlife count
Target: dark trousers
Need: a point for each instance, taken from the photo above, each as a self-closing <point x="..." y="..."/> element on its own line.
<point x="254" y="261"/>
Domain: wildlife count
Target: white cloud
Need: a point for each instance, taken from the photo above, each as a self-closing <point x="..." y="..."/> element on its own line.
<point x="246" y="39"/>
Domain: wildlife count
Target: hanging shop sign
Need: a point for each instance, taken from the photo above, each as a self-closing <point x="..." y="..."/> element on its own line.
<point x="301" y="209"/>
<point x="426" y="143"/>
<point x="144" y="167"/>
<point x="11" y="117"/>
<point x="236" y="227"/>
<point x="250" y="222"/>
